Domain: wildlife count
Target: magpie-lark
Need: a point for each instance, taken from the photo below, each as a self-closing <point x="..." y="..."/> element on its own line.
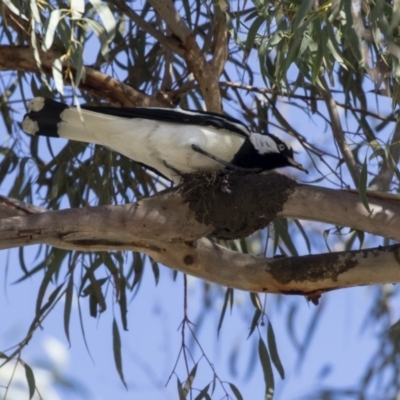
<point x="171" y="141"/>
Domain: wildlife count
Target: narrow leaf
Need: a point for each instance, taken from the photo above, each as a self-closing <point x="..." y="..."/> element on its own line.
<point x="68" y="306"/>
<point x="10" y="5"/>
<point x="274" y="350"/>
<point x="235" y="391"/>
<point x="123" y="304"/>
<point x="58" y="75"/>
<point x="156" y="270"/>
<point x="189" y="380"/>
<point x="255" y="299"/>
<point x="228" y="295"/>
<point x="117" y="351"/>
<point x="305" y="7"/>
<point x="78" y="8"/>
<point x="267" y="370"/>
<point x="54" y="19"/>
<point x="252" y="33"/>
<point x="106" y="16"/>
<point x="254" y="322"/>
<point x="182" y="395"/>
<point x="42" y="289"/>
<point x="203" y="394"/>
<point x="35" y="11"/>
<point x="30" y="377"/>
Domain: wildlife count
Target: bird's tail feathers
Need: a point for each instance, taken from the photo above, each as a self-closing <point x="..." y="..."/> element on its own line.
<point x="43" y="116"/>
<point x="51" y="118"/>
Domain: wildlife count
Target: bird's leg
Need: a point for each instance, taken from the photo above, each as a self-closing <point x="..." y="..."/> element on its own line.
<point x="198" y="149"/>
<point x="173" y="169"/>
<point x="233" y="167"/>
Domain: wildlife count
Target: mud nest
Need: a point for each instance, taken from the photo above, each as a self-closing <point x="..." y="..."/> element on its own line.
<point x="236" y="204"/>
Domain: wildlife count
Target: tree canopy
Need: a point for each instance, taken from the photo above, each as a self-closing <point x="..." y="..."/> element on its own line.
<point x="324" y="76"/>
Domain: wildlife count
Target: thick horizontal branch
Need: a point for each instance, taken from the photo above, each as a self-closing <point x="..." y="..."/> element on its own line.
<point x="344" y="208"/>
<point x="309" y="275"/>
<point x="165" y="228"/>
<point x="164" y="218"/>
<point x="20" y="58"/>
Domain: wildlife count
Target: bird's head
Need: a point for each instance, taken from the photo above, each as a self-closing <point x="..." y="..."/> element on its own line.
<point x="271" y="146"/>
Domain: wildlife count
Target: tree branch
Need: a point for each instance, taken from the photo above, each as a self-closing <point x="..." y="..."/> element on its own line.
<point x="338" y="134"/>
<point x="309" y="275"/>
<point x="220" y="45"/>
<point x="20" y="58"/>
<point x="166" y="10"/>
<point x="170" y="42"/>
<point x="206" y="73"/>
<point x="165" y="228"/>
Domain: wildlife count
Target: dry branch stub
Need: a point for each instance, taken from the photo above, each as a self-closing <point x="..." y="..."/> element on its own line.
<point x="236" y="203"/>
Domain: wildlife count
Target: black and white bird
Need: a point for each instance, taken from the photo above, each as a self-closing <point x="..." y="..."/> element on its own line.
<point x="171" y="141"/>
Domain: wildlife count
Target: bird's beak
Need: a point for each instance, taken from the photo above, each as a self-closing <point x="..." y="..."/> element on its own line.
<point x="296" y="165"/>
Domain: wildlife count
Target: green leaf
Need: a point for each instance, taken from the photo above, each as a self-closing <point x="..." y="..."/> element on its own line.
<point x="117" y="351"/>
<point x="35" y="11"/>
<point x="274" y="351"/>
<point x="267" y="370"/>
<point x="54" y="19"/>
<point x="123" y="303"/>
<point x="228" y="297"/>
<point x="351" y="38"/>
<point x="68" y="306"/>
<point x="305" y="7"/>
<point x="10" y="5"/>
<point x="203" y="394"/>
<point x="255" y="299"/>
<point x="181" y="392"/>
<point x="282" y="232"/>
<point x="254" y="322"/>
<point x="304" y="234"/>
<point x="252" y="33"/>
<point x="106" y="16"/>
<point x="42" y="289"/>
<point x="30" y="377"/>
<point x="235" y="391"/>
<point x="78" y="8"/>
<point x="101" y="33"/>
<point x="189" y="381"/>
<point x="333" y="45"/>
<point x="318" y="57"/>
<point x="57" y="71"/>
<point x="156" y="270"/>
<point x="77" y="59"/>
<point x="83" y="330"/>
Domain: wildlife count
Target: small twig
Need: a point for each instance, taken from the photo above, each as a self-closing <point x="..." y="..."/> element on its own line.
<point x="172" y="43"/>
<point x="385" y="175"/>
<point x="338" y="133"/>
<point x="249" y="88"/>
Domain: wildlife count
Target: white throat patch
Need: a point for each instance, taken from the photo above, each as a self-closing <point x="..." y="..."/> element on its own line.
<point x="263" y="143"/>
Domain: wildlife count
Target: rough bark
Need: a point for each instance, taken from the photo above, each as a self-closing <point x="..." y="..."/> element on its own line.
<point x="166" y="228"/>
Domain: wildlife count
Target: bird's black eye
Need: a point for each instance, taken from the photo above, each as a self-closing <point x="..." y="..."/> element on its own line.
<point x="281" y="147"/>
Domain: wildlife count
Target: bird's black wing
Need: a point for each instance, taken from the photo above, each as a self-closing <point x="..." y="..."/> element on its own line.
<point x="189" y="117"/>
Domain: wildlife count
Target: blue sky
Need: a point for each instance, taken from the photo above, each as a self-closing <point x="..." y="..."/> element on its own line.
<point x="341" y="345"/>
